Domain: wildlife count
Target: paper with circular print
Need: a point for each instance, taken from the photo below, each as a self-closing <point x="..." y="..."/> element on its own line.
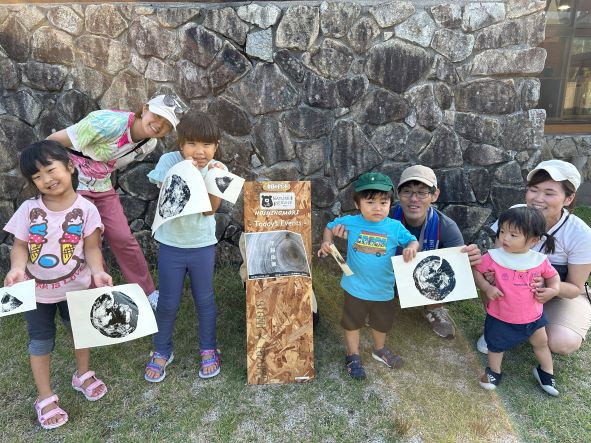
<point x="110" y="315"/>
<point x="17" y="298"/>
<point x="223" y="184"/>
<point x="437" y="276"/>
<point x="182" y="193"/>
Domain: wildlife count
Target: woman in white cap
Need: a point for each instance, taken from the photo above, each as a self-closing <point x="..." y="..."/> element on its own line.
<point x="106" y="140"/>
<point x="551" y="188"/>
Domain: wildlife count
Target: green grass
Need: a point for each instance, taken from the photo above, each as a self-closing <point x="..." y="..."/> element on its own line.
<point x="434" y="397"/>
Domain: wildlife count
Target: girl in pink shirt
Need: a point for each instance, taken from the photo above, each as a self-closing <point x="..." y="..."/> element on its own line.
<point x="513" y="313"/>
<point x="57" y="243"/>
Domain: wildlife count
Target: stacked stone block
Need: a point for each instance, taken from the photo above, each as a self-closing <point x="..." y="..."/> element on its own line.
<point x="311" y="91"/>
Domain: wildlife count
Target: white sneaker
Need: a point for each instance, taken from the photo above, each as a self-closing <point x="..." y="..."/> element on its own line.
<point x="481" y="345"/>
<point x="153" y="299"/>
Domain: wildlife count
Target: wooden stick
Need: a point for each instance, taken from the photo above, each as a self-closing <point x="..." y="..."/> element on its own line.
<point x="341" y="262"/>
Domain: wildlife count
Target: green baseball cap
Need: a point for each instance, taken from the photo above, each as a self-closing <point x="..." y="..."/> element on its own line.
<point x="373" y="180"/>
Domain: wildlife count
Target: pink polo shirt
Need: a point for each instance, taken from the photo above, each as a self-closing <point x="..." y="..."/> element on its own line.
<point x="513" y="278"/>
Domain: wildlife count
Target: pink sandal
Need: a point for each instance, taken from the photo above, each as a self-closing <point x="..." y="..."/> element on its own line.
<point x="42" y="418"/>
<point x="77" y="383"/>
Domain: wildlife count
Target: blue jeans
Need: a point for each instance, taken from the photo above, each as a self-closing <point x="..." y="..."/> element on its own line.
<point x="41" y="326"/>
<point x="173" y="265"/>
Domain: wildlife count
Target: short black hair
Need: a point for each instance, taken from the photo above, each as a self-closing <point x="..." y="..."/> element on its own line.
<point x="43" y="153"/>
<point x="372" y="193"/>
<point x="529" y="221"/>
<point x="197" y="126"/>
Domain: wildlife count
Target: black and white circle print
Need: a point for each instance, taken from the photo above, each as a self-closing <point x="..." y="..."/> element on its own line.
<point x="222" y="183"/>
<point x="174" y="196"/>
<point x="114" y="315"/>
<point x="434" y="278"/>
<point x="9" y="303"/>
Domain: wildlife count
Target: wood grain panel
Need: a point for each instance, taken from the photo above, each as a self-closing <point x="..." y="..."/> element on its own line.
<point x="280" y="345"/>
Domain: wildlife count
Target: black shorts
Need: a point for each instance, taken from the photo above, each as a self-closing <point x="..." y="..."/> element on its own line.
<point x="355" y="311"/>
<point x="501" y="336"/>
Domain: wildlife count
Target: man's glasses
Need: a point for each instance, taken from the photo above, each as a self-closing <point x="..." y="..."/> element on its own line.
<point x="175" y="103"/>
<point x="407" y="193"/>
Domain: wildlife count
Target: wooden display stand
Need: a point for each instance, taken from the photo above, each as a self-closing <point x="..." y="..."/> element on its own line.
<point x="280" y="345"/>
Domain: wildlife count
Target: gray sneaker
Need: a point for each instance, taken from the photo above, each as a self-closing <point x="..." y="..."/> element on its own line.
<point x="153" y="299"/>
<point x="441" y="322"/>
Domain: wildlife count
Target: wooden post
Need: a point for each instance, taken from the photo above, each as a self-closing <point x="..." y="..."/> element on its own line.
<point x="280" y="345"/>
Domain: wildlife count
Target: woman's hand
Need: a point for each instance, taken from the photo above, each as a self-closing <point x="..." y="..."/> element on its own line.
<point x="537" y="283"/>
<point x="324" y="249"/>
<point x="543" y="295"/>
<point x="493" y="293"/>
<point x="14" y="276"/>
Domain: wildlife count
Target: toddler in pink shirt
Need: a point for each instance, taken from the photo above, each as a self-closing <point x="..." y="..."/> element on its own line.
<point x="513" y="313"/>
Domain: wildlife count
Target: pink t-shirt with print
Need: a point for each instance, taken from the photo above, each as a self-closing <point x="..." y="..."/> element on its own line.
<point x="518" y="305"/>
<point x="56" y="245"/>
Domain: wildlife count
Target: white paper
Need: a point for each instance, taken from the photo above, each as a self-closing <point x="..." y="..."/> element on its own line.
<point x="437" y="276"/>
<point x="275" y="254"/>
<point x="17" y="298"/>
<point x="182" y="193"/>
<point x="110" y="315"/>
<point x="223" y="184"/>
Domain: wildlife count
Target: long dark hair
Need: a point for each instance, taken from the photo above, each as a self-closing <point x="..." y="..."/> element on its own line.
<point x="569" y="189"/>
<point x="530" y="222"/>
<point x="43" y="153"/>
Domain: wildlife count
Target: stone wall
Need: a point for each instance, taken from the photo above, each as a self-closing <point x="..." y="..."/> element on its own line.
<point x="312" y="91"/>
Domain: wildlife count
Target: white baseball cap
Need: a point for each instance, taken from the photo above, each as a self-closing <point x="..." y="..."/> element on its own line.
<point x="559" y="170"/>
<point x="167" y="106"/>
<point x="418" y="173"/>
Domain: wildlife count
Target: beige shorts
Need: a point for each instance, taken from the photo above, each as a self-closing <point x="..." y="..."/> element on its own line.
<point x="573" y="313"/>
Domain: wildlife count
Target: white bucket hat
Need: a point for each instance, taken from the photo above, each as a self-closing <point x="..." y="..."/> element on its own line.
<point x="168" y="106"/>
<point x="559" y="170"/>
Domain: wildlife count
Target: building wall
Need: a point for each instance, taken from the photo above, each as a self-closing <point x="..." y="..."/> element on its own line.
<point x="302" y="91"/>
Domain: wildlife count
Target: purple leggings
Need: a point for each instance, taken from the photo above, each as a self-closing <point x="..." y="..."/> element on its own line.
<point x="173" y="265"/>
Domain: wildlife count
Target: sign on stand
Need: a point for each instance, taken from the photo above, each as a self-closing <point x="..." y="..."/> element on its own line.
<point x="277" y="225"/>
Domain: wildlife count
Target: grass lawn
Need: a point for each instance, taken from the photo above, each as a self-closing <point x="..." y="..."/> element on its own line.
<point x="434" y="397"/>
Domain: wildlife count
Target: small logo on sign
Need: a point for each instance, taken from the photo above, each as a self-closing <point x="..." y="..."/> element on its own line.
<point x="278" y="200"/>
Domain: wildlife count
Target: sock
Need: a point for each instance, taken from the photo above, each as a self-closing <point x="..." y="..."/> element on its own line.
<point x="496" y="375"/>
<point x="545" y="377"/>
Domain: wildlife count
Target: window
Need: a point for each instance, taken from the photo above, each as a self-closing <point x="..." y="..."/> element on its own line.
<point x="566" y="79"/>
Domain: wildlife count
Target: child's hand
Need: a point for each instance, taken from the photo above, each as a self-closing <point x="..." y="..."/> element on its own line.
<point x="408" y="254"/>
<point x="215" y="165"/>
<point x="493" y="293"/>
<point x="101" y="279"/>
<point x="340" y="231"/>
<point x="14" y="276"/>
<point x="542" y="295"/>
<point x="324" y="249"/>
<point x="489" y="276"/>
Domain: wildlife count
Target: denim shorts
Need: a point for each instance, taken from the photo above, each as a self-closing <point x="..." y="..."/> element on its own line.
<point x="41" y="326"/>
<point x="501" y="336"/>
